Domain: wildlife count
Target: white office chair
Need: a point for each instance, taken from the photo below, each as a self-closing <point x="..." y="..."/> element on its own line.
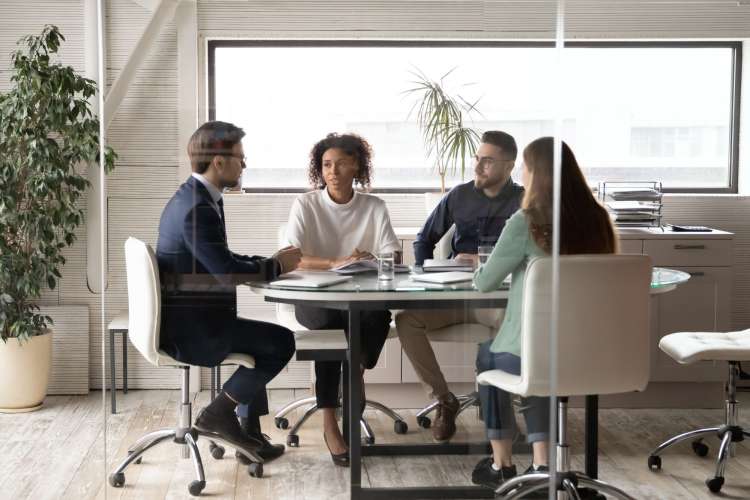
<point x="602" y="348"/>
<point x="688" y="347"/>
<point x="285" y="316"/>
<point x="144" y="307"/>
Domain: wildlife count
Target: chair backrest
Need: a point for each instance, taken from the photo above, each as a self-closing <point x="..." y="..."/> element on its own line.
<point x="603" y="326"/>
<point x="444" y="248"/>
<point x="144" y="299"/>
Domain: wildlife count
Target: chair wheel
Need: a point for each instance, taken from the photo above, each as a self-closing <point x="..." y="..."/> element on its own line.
<point x="700" y="448"/>
<point x="117" y="480"/>
<point x="196" y="487"/>
<point x="370" y="440"/>
<point x="292" y="440"/>
<point x="281" y="423"/>
<point x="255" y="470"/>
<point x="216" y="451"/>
<point x="715" y="484"/>
<point x="400" y="427"/>
<point x="654" y="462"/>
<point x="138" y="460"/>
<point x="424" y="422"/>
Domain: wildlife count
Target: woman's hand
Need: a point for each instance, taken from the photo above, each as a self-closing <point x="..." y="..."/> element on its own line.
<point x="355" y="256"/>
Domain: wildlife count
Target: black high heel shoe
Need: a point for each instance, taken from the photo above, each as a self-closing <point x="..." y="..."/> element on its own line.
<point x="341" y="459"/>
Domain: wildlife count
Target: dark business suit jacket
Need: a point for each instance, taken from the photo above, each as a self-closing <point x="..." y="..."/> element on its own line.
<point x="197" y="271"/>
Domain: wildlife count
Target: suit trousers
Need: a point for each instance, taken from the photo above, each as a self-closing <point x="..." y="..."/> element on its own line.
<point x="206" y="340"/>
<point x="373" y="331"/>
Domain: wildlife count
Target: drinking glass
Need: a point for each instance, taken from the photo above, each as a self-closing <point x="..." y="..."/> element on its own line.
<point x="484" y="252"/>
<point x="386" y="268"/>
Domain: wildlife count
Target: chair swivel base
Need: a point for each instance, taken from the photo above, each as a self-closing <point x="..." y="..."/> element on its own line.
<point x="464" y="400"/>
<point x="188" y="437"/>
<point x="399" y="424"/>
<point x="728" y="433"/>
<point x="577" y="485"/>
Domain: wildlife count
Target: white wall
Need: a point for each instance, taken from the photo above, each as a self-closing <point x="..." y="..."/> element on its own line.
<point x="145" y="129"/>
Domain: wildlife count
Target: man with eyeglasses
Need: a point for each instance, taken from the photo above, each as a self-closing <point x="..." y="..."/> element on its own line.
<point x="479" y="210"/>
<point x="199" y="274"/>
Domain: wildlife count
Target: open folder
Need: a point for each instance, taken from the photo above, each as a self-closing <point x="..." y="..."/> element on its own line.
<point x="368" y="265"/>
<point x="310" y="280"/>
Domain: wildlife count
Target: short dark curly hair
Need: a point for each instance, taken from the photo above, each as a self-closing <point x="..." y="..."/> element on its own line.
<point x="352" y="145"/>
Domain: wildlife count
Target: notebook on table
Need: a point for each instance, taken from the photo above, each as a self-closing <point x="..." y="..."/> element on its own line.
<point x="448" y="277"/>
<point x="443" y="265"/>
<point x="310" y="280"/>
<point x="364" y="266"/>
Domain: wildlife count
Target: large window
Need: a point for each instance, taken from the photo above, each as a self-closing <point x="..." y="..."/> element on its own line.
<point x="640" y="111"/>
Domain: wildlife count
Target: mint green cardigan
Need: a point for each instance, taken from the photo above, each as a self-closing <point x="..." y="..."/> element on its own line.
<point x="511" y="254"/>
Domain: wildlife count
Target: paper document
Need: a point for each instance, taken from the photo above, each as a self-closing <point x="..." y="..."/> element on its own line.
<point x="363" y="266"/>
<point x="309" y="279"/>
<point x="449" y="277"/>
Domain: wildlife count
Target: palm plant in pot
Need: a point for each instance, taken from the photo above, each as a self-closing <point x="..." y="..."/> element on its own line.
<point x="441" y="117"/>
<point x="47" y="135"/>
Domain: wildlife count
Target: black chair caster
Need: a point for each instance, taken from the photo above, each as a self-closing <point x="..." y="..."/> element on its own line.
<point x="255" y="470"/>
<point x="715" y="484"/>
<point x="369" y="440"/>
<point x="281" y="423"/>
<point x="292" y="440"/>
<point x="700" y="448"/>
<point x="196" y="487"/>
<point x="654" y="462"/>
<point x="117" y="480"/>
<point x="424" y="422"/>
<point x="216" y="451"/>
<point x="400" y="427"/>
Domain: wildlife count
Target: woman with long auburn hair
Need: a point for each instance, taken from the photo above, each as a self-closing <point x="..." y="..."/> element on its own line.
<point x="585" y="228"/>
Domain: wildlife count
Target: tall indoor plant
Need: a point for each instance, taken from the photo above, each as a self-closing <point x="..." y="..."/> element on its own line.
<point x="441" y="117"/>
<point x="47" y="135"/>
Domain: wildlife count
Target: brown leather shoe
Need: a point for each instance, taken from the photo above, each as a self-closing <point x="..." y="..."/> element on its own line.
<point x="444" y="425"/>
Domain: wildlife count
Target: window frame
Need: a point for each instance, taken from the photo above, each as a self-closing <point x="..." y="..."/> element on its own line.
<point x="736" y="84"/>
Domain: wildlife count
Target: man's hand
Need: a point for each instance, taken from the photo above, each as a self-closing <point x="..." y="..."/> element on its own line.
<point x="470" y="259"/>
<point x="288" y="258"/>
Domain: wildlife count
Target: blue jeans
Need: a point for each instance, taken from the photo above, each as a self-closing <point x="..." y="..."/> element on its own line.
<point x="497" y="409"/>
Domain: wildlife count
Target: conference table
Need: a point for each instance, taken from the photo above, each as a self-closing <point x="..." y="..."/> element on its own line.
<point x="364" y="292"/>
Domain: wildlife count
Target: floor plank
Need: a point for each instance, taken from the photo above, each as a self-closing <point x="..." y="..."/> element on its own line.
<point x="57" y="453"/>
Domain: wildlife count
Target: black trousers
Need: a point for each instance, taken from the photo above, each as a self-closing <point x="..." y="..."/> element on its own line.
<point x="374" y="330"/>
<point x="206" y="340"/>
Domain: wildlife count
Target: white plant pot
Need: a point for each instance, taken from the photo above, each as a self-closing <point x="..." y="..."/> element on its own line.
<point x="24" y="373"/>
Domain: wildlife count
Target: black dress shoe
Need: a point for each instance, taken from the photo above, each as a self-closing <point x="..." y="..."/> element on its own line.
<point x="268" y="451"/>
<point x="340" y="459"/>
<point x="226" y="426"/>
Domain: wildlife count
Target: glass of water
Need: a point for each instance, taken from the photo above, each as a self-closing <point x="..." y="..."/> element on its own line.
<point x="484" y="252"/>
<point x="386" y="268"/>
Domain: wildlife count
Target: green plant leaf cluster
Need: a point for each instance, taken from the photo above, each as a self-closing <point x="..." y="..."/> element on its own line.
<point x="441" y="118"/>
<point x="47" y="134"/>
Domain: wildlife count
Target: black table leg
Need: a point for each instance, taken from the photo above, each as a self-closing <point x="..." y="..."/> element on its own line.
<point x="355" y="394"/>
<point x="112" y="373"/>
<point x="125" y="363"/>
<point x="345" y="406"/>
<point x="592" y="436"/>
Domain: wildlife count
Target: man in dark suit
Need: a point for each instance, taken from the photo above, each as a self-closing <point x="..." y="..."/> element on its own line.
<point x="199" y="274"/>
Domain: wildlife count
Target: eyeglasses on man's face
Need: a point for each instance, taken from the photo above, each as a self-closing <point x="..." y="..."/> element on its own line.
<point x="242" y="158"/>
<point x="487" y="162"/>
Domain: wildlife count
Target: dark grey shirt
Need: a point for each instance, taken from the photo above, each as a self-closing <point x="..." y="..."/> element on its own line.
<point x="478" y="219"/>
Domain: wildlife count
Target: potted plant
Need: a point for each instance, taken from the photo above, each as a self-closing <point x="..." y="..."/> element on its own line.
<point x="440" y="117"/>
<point x="47" y="136"/>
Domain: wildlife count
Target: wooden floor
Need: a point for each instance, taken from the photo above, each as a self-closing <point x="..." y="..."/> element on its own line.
<point x="57" y="453"/>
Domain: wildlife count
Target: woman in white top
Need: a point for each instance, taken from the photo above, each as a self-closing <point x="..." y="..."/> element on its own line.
<point x="333" y="225"/>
